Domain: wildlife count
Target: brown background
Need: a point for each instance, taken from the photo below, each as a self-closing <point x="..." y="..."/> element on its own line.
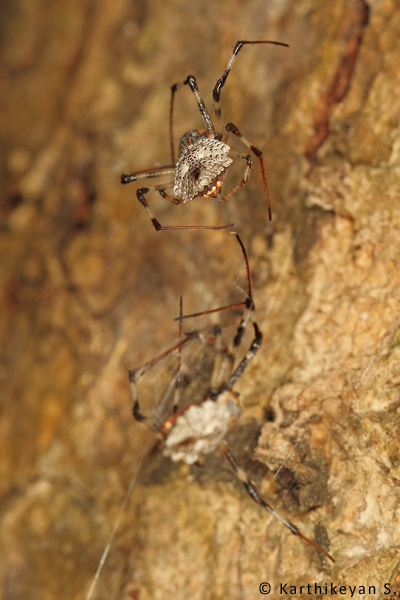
<point x="89" y="289"/>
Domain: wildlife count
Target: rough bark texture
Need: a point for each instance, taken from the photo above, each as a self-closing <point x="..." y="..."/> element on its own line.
<point x="89" y="289"/>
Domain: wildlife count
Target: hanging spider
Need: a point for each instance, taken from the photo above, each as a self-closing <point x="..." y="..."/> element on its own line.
<point x="204" y="159"/>
<point x="193" y="414"/>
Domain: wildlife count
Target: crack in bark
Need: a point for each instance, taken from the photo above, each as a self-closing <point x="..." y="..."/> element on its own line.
<point x="340" y="83"/>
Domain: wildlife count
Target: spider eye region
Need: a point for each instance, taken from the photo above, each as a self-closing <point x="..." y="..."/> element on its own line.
<point x="201" y="166"/>
<point x="200" y="428"/>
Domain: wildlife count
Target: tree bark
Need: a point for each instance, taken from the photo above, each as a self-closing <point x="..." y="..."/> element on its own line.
<point x="90" y="289"/>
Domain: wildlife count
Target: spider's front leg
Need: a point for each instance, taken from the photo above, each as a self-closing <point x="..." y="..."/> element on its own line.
<point x="191" y="82"/>
<point x="222" y="80"/>
<point x="231" y="128"/>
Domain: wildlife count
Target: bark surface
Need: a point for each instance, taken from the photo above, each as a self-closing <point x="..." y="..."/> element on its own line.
<point x="90" y="289"/>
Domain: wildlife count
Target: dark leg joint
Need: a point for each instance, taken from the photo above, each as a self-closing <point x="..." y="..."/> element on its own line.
<point x="238" y="336"/>
<point x="128" y="178"/>
<point x="256" y="151"/>
<point x="191" y="82"/>
<point x="156" y="224"/>
<point x="249" y="303"/>
<point x="217" y="330"/>
<point x="256" y="345"/>
<point x="140" y="196"/>
<point x="218" y="86"/>
<point x="237" y="48"/>
<point x="259" y="335"/>
<point x="136" y="413"/>
<point x="231" y="127"/>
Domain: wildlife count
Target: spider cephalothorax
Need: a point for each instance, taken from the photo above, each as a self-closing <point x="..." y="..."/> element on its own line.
<point x="204" y="158"/>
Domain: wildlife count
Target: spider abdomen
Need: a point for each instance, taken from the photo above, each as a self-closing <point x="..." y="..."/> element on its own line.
<point x="200" y="428"/>
<point x="201" y="166"/>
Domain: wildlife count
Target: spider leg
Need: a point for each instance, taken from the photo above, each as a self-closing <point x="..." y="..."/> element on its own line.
<point x="178" y="384"/>
<point x="221" y="81"/>
<point x="248" y="316"/>
<point x="256" y="343"/>
<point x="149" y="174"/>
<point x="254" y="494"/>
<point x="255" y="346"/>
<point x="224" y="360"/>
<point x="158" y="227"/>
<point x="174" y="89"/>
<point x="216" y="372"/>
<point x="246" y="175"/>
<point x="233" y="129"/>
<point x="168" y="197"/>
<point x="138" y="372"/>
<point x="191" y="82"/>
<point x="135" y="397"/>
<point x="209" y="312"/>
<point x="244" y="303"/>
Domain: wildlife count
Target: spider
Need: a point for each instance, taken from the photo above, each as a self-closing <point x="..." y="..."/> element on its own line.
<point x="191" y="429"/>
<point x="204" y="159"/>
